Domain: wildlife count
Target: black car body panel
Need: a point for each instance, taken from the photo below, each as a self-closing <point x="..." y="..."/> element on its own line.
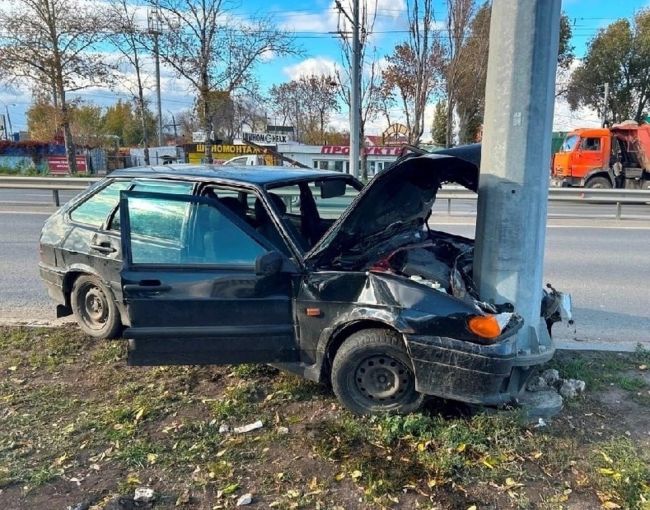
<point x="378" y="265"/>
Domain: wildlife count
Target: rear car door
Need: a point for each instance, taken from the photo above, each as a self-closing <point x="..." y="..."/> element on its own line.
<point x="191" y="289"/>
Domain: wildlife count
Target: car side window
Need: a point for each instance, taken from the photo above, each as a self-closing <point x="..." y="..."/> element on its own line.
<point x="175" y="188"/>
<point x="98" y="206"/>
<point x="164" y="231"/>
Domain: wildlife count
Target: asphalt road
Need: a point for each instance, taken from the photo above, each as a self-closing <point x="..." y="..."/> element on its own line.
<point x="604" y="264"/>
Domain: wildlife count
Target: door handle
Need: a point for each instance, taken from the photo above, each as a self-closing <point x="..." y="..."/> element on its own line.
<point x="103" y="248"/>
<point x="147" y="285"/>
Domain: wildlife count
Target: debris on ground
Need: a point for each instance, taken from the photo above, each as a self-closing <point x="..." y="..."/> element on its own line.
<point x="551" y="376"/>
<point x="246" y="499"/>
<point x="550" y="379"/>
<point x="537" y="384"/>
<point x="283" y="431"/>
<point x="571" y="388"/>
<point x="224" y="428"/>
<point x="248" y="428"/>
<point x="143" y="495"/>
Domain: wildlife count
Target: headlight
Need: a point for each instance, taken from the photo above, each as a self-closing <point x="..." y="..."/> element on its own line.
<point x="488" y="326"/>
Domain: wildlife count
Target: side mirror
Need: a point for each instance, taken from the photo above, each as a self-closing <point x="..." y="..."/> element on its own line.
<point x="268" y="264"/>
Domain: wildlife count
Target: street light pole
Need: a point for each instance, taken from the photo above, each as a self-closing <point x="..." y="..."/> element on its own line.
<point x="355" y="92"/>
<point x="155" y="29"/>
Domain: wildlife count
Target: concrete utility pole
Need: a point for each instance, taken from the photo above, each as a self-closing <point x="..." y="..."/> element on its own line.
<point x="516" y="151"/>
<point x="155" y="29"/>
<point x="355" y="92"/>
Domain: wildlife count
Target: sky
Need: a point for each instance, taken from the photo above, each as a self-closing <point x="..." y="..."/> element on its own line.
<point x="311" y="23"/>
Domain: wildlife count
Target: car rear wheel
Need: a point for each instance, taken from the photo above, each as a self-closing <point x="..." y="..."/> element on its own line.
<point x="94" y="308"/>
<point x="372" y="374"/>
<point x="598" y="183"/>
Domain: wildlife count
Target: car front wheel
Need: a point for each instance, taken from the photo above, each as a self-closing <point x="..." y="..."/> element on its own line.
<point x="94" y="308"/>
<point x="372" y="374"/>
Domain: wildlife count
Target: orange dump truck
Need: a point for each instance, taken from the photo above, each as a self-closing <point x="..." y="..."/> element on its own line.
<point x="616" y="157"/>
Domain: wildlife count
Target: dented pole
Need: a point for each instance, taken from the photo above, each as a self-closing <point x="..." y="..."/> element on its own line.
<point x="516" y="151"/>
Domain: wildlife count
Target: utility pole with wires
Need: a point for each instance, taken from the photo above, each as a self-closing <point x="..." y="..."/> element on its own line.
<point x="155" y="29"/>
<point x="355" y="89"/>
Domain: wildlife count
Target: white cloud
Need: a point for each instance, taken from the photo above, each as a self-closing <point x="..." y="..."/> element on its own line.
<point x="312" y="66"/>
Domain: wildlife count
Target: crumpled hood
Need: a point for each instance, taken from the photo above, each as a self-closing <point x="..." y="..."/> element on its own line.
<point x="394" y="206"/>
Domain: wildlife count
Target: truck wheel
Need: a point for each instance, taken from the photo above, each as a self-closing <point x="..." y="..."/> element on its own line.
<point x="372" y="374"/>
<point x="94" y="308"/>
<point x="599" y="183"/>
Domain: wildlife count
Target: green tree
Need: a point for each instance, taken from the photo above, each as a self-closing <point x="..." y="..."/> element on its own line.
<point x="471" y="76"/>
<point x="123" y="121"/>
<point x="619" y="55"/>
<point x="439" y="128"/>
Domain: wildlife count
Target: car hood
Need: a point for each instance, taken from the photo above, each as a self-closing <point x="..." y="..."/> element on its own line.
<point x="391" y="210"/>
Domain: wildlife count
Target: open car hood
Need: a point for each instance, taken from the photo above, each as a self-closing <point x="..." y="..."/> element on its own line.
<point x="391" y="210"/>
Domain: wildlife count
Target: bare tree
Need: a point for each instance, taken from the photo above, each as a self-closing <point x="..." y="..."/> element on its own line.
<point x="370" y="72"/>
<point x="459" y="16"/>
<point x="215" y="51"/>
<point x="129" y="38"/>
<point x="414" y="67"/>
<point x="52" y="42"/>
<point x="307" y="103"/>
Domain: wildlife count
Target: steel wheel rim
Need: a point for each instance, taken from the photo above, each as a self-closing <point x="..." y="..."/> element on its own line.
<point x="94" y="307"/>
<point x="381" y="378"/>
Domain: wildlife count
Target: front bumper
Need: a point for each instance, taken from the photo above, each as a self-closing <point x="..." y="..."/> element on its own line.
<point x="459" y="370"/>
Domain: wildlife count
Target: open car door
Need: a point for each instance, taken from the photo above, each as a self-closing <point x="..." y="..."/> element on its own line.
<point x="201" y="286"/>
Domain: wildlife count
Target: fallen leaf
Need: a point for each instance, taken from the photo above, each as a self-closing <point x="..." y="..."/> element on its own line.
<point x="339" y="477"/>
<point x="229" y="489"/>
<point x="356" y="474"/>
<point x="461" y="447"/>
<point x="139" y="414"/>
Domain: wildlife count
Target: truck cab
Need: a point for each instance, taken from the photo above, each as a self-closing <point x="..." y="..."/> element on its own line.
<point x="616" y="157"/>
<point x="584" y="159"/>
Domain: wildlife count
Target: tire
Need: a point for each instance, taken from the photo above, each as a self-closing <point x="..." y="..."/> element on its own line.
<point x="94" y="308"/>
<point x="372" y="374"/>
<point x="599" y="183"/>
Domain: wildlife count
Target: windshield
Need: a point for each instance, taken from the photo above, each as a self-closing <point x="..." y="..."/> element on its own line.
<point x="569" y="143"/>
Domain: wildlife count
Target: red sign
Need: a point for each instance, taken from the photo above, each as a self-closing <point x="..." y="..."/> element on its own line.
<point x="59" y="164"/>
<point x="344" y="150"/>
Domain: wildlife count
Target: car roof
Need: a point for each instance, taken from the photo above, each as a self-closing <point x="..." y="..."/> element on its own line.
<point x="252" y="174"/>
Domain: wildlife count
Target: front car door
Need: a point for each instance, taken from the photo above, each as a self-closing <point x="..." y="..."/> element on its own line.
<point x="191" y="289"/>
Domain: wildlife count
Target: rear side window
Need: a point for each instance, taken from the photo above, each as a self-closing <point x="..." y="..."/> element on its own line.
<point x="98" y="206"/>
<point x="174" y="188"/>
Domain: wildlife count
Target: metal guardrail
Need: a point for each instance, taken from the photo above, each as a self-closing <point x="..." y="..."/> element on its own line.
<point x="55" y="184"/>
<point x="619" y="197"/>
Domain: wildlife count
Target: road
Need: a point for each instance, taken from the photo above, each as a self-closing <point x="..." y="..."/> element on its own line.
<point x="602" y="263"/>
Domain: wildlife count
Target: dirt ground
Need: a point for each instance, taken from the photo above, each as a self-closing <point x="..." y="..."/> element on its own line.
<point x="80" y="429"/>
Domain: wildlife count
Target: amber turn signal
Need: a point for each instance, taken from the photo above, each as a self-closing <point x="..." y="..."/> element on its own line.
<point x="485" y="326"/>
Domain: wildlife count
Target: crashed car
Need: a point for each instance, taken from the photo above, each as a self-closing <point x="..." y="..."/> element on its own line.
<point x="227" y="265"/>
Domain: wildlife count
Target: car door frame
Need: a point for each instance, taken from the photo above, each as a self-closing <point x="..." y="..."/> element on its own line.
<point x="187" y="335"/>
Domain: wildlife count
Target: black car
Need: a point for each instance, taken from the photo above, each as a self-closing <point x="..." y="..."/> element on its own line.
<point x="221" y="265"/>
